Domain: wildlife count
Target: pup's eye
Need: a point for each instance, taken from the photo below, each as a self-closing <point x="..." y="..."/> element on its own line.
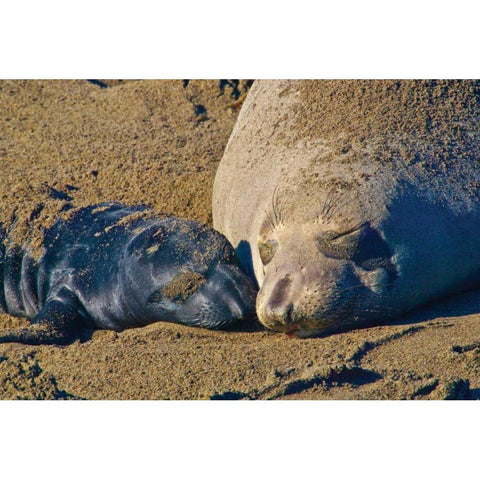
<point x="267" y="250"/>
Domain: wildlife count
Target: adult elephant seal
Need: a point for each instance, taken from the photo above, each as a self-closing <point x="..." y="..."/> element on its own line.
<point x="112" y="266"/>
<point x="352" y="202"/>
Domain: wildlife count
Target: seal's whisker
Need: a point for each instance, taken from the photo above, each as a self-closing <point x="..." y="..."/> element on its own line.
<point x="327" y="205"/>
<point x="276" y="207"/>
<point x="380" y="308"/>
<point x="270" y="220"/>
<point x="365" y="286"/>
<point x="332" y="201"/>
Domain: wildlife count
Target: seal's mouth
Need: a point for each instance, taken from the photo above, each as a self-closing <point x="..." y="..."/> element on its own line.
<point x="292" y="333"/>
<point x="227" y="296"/>
<point x="304" y="328"/>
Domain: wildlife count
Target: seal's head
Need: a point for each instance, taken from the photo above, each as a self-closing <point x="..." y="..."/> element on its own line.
<point x="181" y="271"/>
<point x="374" y="210"/>
<point x="319" y="277"/>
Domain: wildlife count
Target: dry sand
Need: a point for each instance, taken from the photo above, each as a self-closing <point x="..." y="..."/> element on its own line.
<point x="159" y="142"/>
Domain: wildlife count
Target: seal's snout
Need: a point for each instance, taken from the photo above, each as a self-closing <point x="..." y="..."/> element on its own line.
<point x="281" y="318"/>
<point x="275" y="306"/>
<point x="278" y="307"/>
<point x="227" y="296"/>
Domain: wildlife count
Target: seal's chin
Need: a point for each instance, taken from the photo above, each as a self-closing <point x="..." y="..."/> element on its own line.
<point x="300" y="327"/>
<point x="226" y="297"/>
<point x="307" y="332"/>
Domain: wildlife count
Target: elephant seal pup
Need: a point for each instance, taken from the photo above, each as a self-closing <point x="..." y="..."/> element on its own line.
<point x="112" y="266"/>
<point x="353" y="202"/>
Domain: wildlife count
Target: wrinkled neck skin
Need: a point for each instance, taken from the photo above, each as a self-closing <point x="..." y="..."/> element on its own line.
<point x="332" y="268"/>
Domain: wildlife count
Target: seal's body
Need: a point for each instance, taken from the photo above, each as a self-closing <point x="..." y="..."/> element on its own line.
<point x="112" y="266"/>
<point x="353" y="202"/>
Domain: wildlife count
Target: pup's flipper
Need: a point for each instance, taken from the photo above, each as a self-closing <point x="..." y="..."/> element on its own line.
<point x="57" y="323"/>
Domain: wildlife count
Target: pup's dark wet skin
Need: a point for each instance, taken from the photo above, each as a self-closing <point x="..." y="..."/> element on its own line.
<point x="112" y="266"/>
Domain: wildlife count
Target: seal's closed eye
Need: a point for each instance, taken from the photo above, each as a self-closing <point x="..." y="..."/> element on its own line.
<point x="341" y="246"/>
<point x="362" y="245"/>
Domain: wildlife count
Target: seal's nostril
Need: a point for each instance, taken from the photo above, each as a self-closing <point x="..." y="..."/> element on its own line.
<point x="286" y="314"/>
<point x="281" y="314"/>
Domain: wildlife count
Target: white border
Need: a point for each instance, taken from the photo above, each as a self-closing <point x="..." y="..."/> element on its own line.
<point x="249" y="39"/>
<point x="238" y="440"/>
